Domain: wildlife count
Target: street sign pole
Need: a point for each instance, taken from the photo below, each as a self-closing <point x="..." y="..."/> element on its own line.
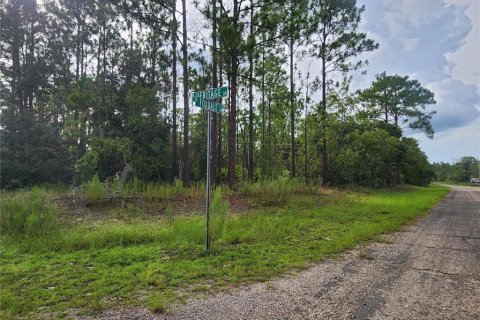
<point x="205" y="100"/>
<point x="207" y="205"/>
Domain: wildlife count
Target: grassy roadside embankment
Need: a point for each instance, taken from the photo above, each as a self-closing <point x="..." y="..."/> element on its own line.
<point x="109" y="263"/>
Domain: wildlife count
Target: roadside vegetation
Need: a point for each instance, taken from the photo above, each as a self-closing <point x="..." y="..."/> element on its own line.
<point x="105" y="260"/>
<point x="91" y="105"/>
<point x="103" y="98"/>
<point x="459" y="172"/>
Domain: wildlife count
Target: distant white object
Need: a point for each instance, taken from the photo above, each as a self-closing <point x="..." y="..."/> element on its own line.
<point x="475" y="182"/>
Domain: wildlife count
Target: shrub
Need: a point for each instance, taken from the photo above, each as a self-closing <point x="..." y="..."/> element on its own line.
<point x="30" y="214"/>
<point x="95" y="191"/>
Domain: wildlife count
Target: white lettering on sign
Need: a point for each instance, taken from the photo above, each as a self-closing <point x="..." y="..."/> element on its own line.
<point x="211" y="93"/>
<point x="203" y="99"/>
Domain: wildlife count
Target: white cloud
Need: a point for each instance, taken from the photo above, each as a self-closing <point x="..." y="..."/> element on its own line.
<point x="451" y="145"/>
<point x="411" y="44"/>
<point x="395" y="24"/>
<point x="464" y="63"/>
<point x="419" y="12"/>
<point x="457" y="104"/>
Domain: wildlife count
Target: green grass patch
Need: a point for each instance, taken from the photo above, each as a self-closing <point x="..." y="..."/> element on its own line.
<point x="109" y="264"/>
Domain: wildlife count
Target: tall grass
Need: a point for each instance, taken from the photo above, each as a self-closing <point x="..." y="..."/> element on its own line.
<point x="157" y="191"/>
<point x="276" y="192"/>
<point x="219" y="212"/>
<point x="172" y="232"/>
<point x="95" y="191"/>
<point x="29" y="214"/>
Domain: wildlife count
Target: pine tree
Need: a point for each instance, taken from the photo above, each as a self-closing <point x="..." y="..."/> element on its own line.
<point x="336" y="41"/>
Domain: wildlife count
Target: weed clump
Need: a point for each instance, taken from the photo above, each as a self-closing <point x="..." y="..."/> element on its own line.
<point x="157" y="304"/>
<point x="30" y="214"/>
<point x="95" y="191"/>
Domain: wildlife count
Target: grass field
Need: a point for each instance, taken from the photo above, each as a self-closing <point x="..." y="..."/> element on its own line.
<point x="94" y="264"/>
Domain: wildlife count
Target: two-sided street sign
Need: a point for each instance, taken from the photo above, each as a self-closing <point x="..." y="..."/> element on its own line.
<point x="205" y="100"/>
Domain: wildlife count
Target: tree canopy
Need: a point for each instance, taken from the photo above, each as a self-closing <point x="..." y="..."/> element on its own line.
<point x="101" y="87"/>
<point x="401" y="101"/>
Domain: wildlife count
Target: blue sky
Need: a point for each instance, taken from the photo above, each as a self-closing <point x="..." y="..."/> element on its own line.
<point x="438" y="43"/>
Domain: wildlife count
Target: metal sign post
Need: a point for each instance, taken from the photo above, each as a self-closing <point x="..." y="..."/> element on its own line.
<point x="207" y="204"/>
<point x="202" y="99"/>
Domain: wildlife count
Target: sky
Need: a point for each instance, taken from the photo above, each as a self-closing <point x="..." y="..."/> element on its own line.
<point x="436" y="42"/>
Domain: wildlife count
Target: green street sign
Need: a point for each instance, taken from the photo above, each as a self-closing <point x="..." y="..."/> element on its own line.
<point x="209" y="105"/>
<point x="203" y="99"/>
<point x="210" y="94"/>
<point x="197" y="102"/>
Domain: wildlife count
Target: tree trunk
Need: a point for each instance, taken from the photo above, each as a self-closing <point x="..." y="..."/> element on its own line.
<point x="174" y="93"/>
<point x="263" y="96"/>
<point x="244" y="158"/>
<point x="17" y="74"/>
<point x="131" y="35"/>
<point x="292" y="111"/>
<point x="153" y="76"/>
<point x="77" y="52"/>
<point x="31" y="60"/>
<point x="220" y="117"/>
<point x="15" y="48"/>
<point x="250" y="102"/>
<point x="186" y="111"/>
<point x="82" y="53"/>
<point x="232" y="134"/>
<point x="99" y="49"/>
<point x="325" y="177"/>
<point x="104" y="51"/>
<point x="232" y="125"/>
<point x="305" y="151"/>
<point x="214" y="134"/>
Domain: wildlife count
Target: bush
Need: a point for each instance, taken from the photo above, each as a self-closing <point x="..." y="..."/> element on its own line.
<point x="95" y="191"/>
<point x="29" y="214"/>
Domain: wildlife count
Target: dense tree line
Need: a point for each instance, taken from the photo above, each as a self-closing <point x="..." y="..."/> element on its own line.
<point x="461" y="171"/>
<point x="104" y="87"/>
